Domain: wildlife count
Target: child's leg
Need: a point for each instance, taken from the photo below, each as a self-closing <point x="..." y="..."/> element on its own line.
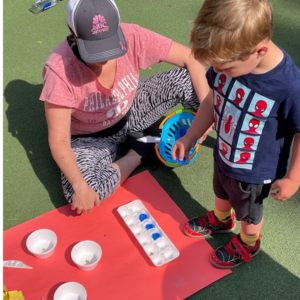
<point x="223" y="209"/>
<point x="247" y="201"/>
<point x="219" y="220"/>
<point x="249" y="233"/>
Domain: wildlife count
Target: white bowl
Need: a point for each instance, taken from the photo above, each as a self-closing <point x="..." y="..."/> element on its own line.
<point x="86" y="255"/>
<point x="41" y="243"/>
<point x="70" y="291"/>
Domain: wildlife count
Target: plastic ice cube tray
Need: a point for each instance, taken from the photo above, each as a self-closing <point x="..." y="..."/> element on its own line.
<point x="154" y="241"/>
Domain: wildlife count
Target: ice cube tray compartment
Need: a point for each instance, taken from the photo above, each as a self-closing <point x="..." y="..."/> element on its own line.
<point x="151" y="237"/>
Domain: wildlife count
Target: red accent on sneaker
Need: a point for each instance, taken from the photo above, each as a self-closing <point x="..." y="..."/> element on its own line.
<point x="234" y="253"/>
<point x="211" y="218"/>
<point x="208" y="224"/>
<point x="189" y="232"/>
<point x="239" y="247"/>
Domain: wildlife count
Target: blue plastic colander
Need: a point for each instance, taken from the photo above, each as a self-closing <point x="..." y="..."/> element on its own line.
<point x="173" y="127"/>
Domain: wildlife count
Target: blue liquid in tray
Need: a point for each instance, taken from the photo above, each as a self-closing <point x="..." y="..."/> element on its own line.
<point x="155" y="236"/>
<point x="142" y="217"/>
<point x="149" y="226"/>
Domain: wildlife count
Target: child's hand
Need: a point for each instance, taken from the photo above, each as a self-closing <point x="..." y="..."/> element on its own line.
<point x="182" y="148"/>
<point x="286" y="189"/>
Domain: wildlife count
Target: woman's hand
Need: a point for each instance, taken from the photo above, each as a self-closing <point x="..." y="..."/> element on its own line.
<point x="84" y="199"/>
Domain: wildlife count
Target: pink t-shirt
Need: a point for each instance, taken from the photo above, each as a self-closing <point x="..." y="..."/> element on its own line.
<point x="70" y="83"/>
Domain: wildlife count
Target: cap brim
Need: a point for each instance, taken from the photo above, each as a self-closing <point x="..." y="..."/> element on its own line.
<point x="103" y="49"/>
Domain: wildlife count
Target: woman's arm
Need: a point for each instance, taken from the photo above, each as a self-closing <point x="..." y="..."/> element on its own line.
<point x="181" y="56"/>
<point x="59" y="137"/>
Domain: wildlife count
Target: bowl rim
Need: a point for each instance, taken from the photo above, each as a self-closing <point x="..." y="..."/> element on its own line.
<point x="77" y="245"/>
<point x="67" y="283"/>
<point x="35" y="232"/>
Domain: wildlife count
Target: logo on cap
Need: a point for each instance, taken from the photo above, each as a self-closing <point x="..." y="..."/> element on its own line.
<point x="99" y="24"/>
<point x="122" y="46"/>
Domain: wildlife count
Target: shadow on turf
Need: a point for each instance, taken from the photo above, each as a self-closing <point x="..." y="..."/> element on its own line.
<point x="27" y="123"/>
<point x="261" y="279"/>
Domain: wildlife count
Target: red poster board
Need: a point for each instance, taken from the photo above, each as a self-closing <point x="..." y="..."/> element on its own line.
<point x="124" y="271"/>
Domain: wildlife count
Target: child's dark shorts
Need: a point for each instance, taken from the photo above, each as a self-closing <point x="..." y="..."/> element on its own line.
<point x="245" y="198"/>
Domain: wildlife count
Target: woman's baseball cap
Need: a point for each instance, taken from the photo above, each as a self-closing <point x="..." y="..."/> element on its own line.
<point x="96" y="24"/>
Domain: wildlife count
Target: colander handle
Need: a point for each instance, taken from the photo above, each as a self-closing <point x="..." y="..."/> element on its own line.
<point x="179" y="111"/>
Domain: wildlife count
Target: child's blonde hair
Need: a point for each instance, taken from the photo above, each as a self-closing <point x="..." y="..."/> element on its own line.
<point x="229" y="30"/>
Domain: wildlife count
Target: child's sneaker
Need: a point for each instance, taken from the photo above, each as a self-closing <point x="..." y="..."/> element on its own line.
<point x="234" y="253"/>
<point x="208" y="224"/>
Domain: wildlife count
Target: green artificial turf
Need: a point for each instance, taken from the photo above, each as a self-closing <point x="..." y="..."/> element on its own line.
<point x="31" y="179"/>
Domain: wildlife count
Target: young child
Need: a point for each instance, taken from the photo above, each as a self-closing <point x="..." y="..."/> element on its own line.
<point x="254" y="102"/>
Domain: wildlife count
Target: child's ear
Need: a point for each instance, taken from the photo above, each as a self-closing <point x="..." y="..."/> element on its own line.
<point x="262" y="51"/>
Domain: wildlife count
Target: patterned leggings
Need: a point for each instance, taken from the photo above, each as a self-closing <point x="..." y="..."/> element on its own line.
<point x="154" y="97"/>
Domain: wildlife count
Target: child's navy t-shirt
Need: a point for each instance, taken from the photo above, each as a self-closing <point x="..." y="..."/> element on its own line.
<point x="256" y="117"/>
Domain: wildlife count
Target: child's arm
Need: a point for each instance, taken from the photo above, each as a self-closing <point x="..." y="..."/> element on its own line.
<point x="203" y="120"/>
<point x="289" y="185"/>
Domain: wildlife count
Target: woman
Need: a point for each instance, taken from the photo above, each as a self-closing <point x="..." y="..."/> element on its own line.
<point x="94" y="99"/>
